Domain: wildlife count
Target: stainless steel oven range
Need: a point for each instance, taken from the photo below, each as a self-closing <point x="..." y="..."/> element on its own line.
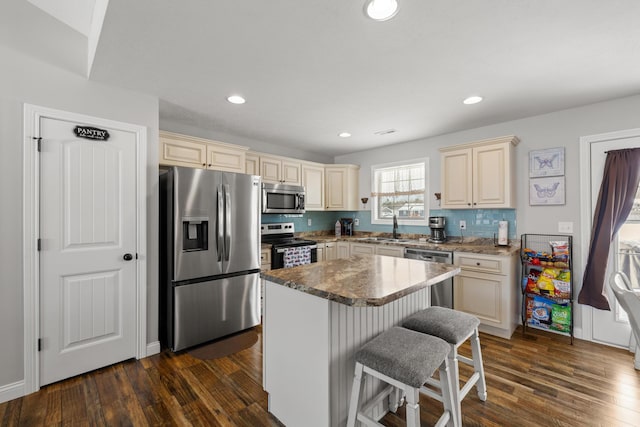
<point x="286" y="249"/>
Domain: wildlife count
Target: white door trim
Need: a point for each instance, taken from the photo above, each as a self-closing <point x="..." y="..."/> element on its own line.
<point x="586" y="215"/>
<point x="31" y="226"/>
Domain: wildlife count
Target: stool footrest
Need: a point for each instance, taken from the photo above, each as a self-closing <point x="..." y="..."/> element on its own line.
<point x="470" y="383"/>
<point x="375" y="400"/>
<point x="466" y="360"/>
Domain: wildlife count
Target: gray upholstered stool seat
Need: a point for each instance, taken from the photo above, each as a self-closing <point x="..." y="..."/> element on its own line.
<point x="405" y="360"/>
<point x="454" y="327"/>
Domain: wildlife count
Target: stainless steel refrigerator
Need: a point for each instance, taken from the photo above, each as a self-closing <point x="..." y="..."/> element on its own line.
<point x="209" y="255"/>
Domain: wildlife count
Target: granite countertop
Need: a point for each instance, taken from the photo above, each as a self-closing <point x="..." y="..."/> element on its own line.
<point x="476" y="245"/>
<point x="362" y="280"/>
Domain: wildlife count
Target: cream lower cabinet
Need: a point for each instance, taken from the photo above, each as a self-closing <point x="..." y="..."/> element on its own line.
<point x="368" y="248"/>
<point x="479" y="175"/>
<point x="487" y="288"/>
<point x="190" y="151"/>
<point x="330" y="251"/>
<point x="321" y="254"/>
<point x="362" y="248"/>
<point x="394" y="251"/>
<point x="342" y="250"/>
<point x="341" y="187"/>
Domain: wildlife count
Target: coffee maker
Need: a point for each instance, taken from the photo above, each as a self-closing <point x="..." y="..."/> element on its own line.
<point x="347" y="226"/>
<point x="437" y="224"/>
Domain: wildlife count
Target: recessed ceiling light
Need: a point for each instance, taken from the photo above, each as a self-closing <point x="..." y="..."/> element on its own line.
<point x="344" y="134"/>
<point x="472" y="100"/>
<point x="236" y="99"/>
<point x="381" y="10"/>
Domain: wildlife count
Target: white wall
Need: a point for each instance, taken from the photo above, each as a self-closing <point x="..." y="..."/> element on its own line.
<point x="559" y="129"/>
<point x="25" y="80"/>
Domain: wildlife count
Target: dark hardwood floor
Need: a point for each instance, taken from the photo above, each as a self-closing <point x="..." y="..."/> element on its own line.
<point x="533" y="380"/>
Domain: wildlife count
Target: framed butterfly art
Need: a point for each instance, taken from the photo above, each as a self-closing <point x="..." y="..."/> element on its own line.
<point x="546" y="191"/>
<point x="549" y="162"/>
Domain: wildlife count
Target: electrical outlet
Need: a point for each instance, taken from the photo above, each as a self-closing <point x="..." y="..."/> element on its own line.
<point x="356" y="222"/>
<point x="565" y="227"/>
<point x="309" y="222"/>
<point x="463" y="224"/>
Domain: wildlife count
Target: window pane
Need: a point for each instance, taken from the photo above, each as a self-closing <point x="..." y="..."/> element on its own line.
<point x="399" y="190"/>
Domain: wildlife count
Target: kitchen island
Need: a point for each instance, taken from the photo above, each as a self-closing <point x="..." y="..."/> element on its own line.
<point x="315" y="318"/>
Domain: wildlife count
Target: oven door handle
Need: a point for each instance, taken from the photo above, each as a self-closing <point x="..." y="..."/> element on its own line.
<point x="281" y="250"/>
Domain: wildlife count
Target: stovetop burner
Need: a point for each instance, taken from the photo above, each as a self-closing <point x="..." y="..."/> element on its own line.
<point x="279" y="235"/>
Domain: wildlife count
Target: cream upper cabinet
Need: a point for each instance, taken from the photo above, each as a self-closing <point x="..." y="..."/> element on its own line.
<point x="313" y="182"/>
<point x="479" y="175"/>
<point x="341" y="184"/>
<point x="190" y="151"/>
<point x="252" y="163"/>
<point x="279" y="170"/>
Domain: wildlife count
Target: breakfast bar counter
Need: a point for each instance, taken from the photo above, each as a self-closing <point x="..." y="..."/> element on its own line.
<point x="317" y="316"/>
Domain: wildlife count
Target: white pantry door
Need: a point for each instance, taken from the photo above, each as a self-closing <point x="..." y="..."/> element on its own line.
<point x="610" y="327"/>
<point x="87" y="226"/>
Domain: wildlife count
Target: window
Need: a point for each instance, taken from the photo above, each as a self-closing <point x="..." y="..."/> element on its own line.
<point x="400" y="189"/>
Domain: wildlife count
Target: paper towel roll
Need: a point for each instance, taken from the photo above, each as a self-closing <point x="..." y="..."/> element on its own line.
<point x="503" y="233"/>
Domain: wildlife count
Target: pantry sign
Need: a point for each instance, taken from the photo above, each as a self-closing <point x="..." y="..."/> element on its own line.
<point x="91" y="133"/>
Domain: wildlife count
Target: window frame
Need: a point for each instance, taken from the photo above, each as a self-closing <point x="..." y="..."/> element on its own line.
<point x="374" y="204"/>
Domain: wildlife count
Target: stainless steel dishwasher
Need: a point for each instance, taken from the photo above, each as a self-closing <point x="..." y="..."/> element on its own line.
<point x="442" y="293"/>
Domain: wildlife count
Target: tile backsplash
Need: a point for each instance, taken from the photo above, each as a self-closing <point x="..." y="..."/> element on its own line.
<point x="480" y="222"/>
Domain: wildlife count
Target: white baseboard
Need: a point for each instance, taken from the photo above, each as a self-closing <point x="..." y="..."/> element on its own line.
<point x="153" y="348"/>
<point x="11" y="391"/>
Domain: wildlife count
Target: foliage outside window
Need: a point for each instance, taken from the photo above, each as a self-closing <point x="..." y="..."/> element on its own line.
<point x="400" y="189"/>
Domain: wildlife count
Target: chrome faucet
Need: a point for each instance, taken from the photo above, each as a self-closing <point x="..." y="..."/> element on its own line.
<point x="395" y="227"/>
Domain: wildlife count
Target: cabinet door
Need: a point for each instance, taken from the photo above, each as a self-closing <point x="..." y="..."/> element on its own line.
<point x="290" y="172"/>
<point x="362" y="248"/>
<point x="252" y="164"/>
<point x="480" y="294"/>
<point x="178" y="152"/>
<point x="336" y="189"/>
<point x="342" y="249"/>
<point x="456" y="179"/>
<point x="270" y="169"/>
<point x="394" y="251"/>
<point x="225" y="159"/>
<point x="490" y="183"/>
<point x="330" y="251"/>
<point x="313" y="181"/>
<point x="321" y="252"/>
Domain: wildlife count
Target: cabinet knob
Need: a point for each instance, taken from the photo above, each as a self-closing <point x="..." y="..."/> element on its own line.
<point x="209" y="165"/>
<point x="204" y="164"/>
<point x="474" y="203"/>
<point x="468" y="204"/>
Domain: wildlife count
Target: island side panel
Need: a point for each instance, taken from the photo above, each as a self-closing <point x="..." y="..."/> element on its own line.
<point x="296" y="356"/>
<point x="351" y="327"/>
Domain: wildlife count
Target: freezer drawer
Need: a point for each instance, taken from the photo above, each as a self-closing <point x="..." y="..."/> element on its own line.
<point x="208" y="310"/>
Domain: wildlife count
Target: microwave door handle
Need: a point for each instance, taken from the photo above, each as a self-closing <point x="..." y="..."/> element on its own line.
<point x="219" y="224"/>
<point x="227" y="221"/>
<point x="298" y="207"/>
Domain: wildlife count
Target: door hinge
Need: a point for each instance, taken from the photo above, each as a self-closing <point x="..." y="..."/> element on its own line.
<point x="39" y="142"/>
<point x="39" y="344"/>
<point x="39" y="244"/>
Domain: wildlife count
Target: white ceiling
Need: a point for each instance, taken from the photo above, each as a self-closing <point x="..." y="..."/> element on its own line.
<point x="311" y="69"/>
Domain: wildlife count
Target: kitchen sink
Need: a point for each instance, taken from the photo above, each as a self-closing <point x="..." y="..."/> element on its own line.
<point x="383" y="239"/>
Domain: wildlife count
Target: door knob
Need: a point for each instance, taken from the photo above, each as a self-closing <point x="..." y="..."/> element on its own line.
<point x="127" y="257"/>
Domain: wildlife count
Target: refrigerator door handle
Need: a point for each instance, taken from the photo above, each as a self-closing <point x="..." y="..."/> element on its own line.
<point x="227" y="221"/>
<point x="219" y="224"/>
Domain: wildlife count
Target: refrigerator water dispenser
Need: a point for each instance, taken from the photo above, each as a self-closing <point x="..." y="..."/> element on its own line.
<point x="194" y="234"/>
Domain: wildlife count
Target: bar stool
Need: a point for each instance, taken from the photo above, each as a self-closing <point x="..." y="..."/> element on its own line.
<point x="455" y="328"/>
<point x="405" y="360"/>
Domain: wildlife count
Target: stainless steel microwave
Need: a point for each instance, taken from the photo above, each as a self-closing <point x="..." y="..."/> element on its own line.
<point x="282" y="198"/>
